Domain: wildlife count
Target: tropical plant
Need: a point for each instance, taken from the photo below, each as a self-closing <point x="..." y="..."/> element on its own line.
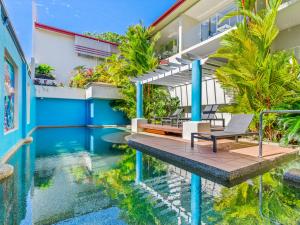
<point x="280" y="202"/>
<point x="136" y="57"/>
<point x="44" y="71"/>
<point x="82" y="76"/>
<point x="258" y="78"/>
<point x="118" y="185"/>
<point x="159" y="102"/>
<point x="290" y="125"/>
<point x="107" y="36"/>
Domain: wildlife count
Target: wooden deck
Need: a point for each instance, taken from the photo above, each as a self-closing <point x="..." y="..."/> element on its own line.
<point x="232" y="164"/>
<point x="161" y="128"/>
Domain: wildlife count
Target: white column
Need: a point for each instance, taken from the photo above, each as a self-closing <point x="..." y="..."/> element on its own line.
<point x="180" y="36"/>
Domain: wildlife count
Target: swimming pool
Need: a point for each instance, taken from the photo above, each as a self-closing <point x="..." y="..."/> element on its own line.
<point x="86" y="176"/>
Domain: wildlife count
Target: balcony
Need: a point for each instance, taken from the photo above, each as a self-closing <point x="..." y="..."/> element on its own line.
<point x="210" y="27"/>
<point x="167" y="50"/>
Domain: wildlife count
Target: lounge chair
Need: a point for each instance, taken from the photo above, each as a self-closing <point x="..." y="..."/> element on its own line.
<point x="208" y="114"/>
<point x="172" y="116"/>
<point x="237" y="127"/>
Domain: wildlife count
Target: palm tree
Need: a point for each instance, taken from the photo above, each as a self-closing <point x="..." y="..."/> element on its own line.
<point x="137" y="56"/>
<point x="259" y="78"/>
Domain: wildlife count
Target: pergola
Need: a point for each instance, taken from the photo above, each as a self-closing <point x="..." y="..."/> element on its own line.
<point x="177" y="74"/>
<point x="190" y="70"/>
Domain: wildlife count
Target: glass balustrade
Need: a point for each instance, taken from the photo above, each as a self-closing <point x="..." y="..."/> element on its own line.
<point x="210" y="27"/>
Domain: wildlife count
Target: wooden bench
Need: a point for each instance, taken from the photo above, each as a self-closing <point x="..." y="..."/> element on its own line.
<point x="162" y="128"/>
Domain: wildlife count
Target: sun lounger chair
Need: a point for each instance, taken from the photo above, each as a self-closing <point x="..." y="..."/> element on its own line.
<point x="172" y="116"/>
<point x="208" y="114"/>
<point x="237" y="127"/>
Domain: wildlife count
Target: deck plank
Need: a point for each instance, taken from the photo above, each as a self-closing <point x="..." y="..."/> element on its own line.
<point x="232" y="164"/>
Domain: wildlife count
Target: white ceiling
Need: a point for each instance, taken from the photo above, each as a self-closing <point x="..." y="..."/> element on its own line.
<point x="206" y="8"/>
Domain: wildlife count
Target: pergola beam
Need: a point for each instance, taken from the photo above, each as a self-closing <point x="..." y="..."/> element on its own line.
<point x="176" y="74"/>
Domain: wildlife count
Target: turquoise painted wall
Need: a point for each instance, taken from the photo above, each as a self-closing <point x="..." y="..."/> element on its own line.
<point x="104" y="114"/>
<point x="60" y="112"/>
<point x="9" y="139"/>
<point x="68" y="112"/>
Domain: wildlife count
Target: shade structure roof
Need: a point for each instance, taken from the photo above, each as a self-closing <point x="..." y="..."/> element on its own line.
<point x="180" y="73"/>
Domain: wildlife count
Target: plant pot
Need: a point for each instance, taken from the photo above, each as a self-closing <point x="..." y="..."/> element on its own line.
<point x="45" y="76"/>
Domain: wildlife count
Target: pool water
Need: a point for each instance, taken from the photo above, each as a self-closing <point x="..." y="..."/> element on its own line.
<point x="86" y="176"/>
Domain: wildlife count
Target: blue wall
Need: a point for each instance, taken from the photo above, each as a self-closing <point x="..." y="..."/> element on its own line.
<point x="7" y="44"/>
<point x="68" y="112"/>
<point x="104" y="114"/>
<point x="60" y="112"/>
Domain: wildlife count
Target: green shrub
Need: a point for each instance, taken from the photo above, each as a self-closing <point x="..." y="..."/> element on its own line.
<point x="44" y="71"/>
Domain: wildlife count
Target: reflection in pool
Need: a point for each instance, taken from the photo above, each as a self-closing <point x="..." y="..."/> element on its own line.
<point x="87" y="176"/>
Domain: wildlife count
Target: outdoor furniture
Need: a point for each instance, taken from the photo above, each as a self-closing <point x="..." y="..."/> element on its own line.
<point x="208" y="113"/>
<point x="172" y="116"/>
<point x="237" y="127"/>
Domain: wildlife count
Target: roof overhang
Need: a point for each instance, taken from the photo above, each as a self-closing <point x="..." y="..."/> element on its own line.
<point x="172" y="13"/>
<point x="69" y="33"/>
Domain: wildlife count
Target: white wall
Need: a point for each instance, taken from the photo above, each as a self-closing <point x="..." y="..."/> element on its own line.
<point x="57" y="50"/>
<point x="289" y="39"/>
<point x="212" y="93"/>
<point x="103" y="91"/>
<point x="60" y="92"/>
<point x="93" y="91"/>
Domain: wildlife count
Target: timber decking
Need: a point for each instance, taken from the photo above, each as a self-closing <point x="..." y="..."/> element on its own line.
<point x="232" y="164"/>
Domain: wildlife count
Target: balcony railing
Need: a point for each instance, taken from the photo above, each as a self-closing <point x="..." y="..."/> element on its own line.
<point x="167" y="50"/>
<point x="210" y="27"/>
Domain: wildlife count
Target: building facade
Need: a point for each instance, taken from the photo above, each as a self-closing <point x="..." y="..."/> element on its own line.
<point x="193" y="26"/>
<point x="65" y="50"/>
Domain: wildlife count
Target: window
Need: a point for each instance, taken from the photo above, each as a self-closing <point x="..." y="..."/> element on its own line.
<point x="10" y="99"/>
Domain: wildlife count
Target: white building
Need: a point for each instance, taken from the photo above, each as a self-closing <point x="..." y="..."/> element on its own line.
<point x="192" y="26"/>
<point x="64" y="50"/>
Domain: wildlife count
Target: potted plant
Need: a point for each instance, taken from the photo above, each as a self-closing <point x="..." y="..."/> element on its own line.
<point x="44" y="71"/>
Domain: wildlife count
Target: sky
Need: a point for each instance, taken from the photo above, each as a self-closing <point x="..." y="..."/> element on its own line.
<point x="83" y="15"/>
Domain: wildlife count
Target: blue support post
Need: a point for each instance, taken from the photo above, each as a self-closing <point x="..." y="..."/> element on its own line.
<point x="139" y="167"/>
<point x="139" y="100"/>
<point x="196" y="188"/>
<point x="139" y="114"/>
<point x="196" y="90"/>
<point x="196" y="195"/>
